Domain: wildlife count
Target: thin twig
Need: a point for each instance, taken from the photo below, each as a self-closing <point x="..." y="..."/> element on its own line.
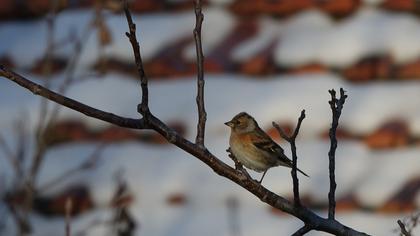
<point x="91" y="225"/>
<point x="38" y="157"/>
<point x="71" y="68"/>
<point x="11" y="157"/>
<point x="69" y="209"/>
<point x="47" y="66"/>
<point x="336" y="108"/>
<point x="403" y="229"/>
<point x="221" y="168"/>
<point x="22" y="140"/>
<point x="143" y="107"/>
<point x="21" y="221"/>
<point x="70" y="103"/>
<point x="238" y="166"/>
<point x="232" y="205"/>
<point x="292" y="140"/>
<point x="202" y="115"/>
<point x="307" y="216"/>
<point x="89" y="163"/>
<point x="302" y="231"/>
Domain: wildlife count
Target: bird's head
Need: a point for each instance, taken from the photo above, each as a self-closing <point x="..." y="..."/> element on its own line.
<point x="242" y="123"/>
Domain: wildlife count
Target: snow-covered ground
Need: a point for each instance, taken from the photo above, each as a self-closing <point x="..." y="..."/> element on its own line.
<point x="307" y="37"/>
<point x="154" y="172"/>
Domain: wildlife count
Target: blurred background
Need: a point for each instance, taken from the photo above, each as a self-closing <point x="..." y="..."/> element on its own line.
<point x="269" y="58"/>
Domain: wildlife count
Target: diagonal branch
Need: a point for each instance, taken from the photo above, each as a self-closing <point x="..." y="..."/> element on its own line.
<point x="403" y="229"/>
<point x="327" y="225"/>
<point x="151" y="122"/>
<point x="70" y="103"/>
<point x="89" y="163"/>
<point x="202" y="115"/>
<point x="302" y="231"/>
<point x="143" y="107"/>
<point x="336" y="107"/>
<point x="292" y="140"/>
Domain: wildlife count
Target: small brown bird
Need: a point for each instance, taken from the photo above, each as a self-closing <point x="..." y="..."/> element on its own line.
<point x="253" y="147"/>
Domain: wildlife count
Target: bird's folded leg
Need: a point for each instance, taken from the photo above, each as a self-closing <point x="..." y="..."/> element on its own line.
<point x="262" y="177"/>
<point x="238" y="165"/>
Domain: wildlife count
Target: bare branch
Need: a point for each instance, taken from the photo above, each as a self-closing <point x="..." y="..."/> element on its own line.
<point x="281" y="132"/>
<point x="38" y="157"/>
<point x="5" y="147"/>
<point x="24" y="226"/>
<point x="238" y="165"/>
<point x="336" y="107"/>
<point x="89" y="163"/>
<point x="407" y="225"/>
<point x="232" y="205"/>
<point x="296" y="132"/>
<point x="69" y="209"/>
<point x="70" y="103"/>
<point x="202" y="115"/>
<point x="403" y="229"/>
<point x="11" y="157"/>
<point x="71" y="68"/>
<point x="143" y="107"/>
<point x="302" y="231"/>
<point x="265" y="195"/>
<point x="47" y="66"/>
<point x="149" y="121"/>
<point x="292" y="140"/>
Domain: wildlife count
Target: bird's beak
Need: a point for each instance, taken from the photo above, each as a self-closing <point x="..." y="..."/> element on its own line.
<point x="229" y="123"/>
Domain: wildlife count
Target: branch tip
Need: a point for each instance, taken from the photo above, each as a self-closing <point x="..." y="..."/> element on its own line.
<point x="336" y="106"/>
<point x="403" y="229"/>
<point x="202" y="115"/>
<point x="153" y="123"/>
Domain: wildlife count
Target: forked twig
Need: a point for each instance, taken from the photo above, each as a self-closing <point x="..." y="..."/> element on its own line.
<point x="403" y="228"/>
<point x="336" y="108"/>
<point x="292" y="140"/>
<point x="89" y="163"/>
<point x="69" y="209"/>
<point x="238" y="166"/>
<point x="202" y="115"/>
<point x="143" y="107"/>
<point x="302" y="231"/>
<point x="149" y="121"/>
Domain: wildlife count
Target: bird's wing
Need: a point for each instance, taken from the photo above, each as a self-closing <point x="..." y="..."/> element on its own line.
<point x="262" y="141"/>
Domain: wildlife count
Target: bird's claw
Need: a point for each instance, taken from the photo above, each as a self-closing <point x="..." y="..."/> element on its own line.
<point x="238" y="166"/>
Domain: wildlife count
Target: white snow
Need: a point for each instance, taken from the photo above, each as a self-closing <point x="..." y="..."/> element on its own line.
<point x="155" y="172"/>
<point x="268" y="32"/>
<point x="369" y="32"/>
<point x="26" y="50"/>
<point x="373" y="2"/>
<point x="280" y="99"/>
<point x="391" y="170"/>
<point x="307" y="37"/>
<point x="217" y="24"/>
<point x="298" y="27"/>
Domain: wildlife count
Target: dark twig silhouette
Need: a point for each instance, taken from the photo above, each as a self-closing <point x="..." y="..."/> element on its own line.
<point x="336" y="108"/>
<point x="202" y="115"/>
<point x="292" y="140"/>
<point x="311" y="220"/>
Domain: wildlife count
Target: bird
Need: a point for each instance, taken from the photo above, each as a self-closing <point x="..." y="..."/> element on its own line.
<point x="253" y="148"/>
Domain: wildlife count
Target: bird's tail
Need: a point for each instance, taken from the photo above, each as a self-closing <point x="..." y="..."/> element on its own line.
<point x="302" y="172"/>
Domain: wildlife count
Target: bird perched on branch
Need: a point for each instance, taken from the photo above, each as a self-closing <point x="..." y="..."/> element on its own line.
<point x="253" y="148"/>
